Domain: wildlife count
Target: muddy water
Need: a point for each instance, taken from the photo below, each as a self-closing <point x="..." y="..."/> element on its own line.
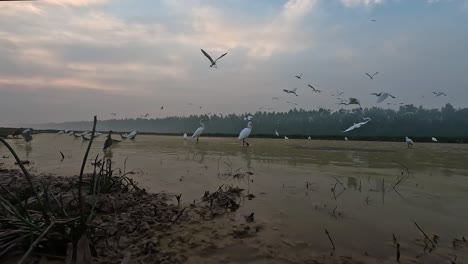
<point x="361" y="213"/>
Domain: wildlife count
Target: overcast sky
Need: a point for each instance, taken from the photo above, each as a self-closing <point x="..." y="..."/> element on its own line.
<point x="67" y="60"/>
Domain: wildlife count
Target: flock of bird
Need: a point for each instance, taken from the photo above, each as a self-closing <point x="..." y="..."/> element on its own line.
<point x="245" y="133"/>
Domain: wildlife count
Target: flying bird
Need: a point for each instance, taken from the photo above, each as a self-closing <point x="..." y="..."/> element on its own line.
<point x="409" y="141"/>
<point x="373" y="20"/>
<point x="293" y="91"/>
<point x="146" y="115"/>
<point x="245" y="134"/>
<point x="298" y="76"/>
<point x="199" y="131"/>
<point x="131" y="136"/>
<point x="113" y="114"/>
<point x="213" y="62"/>
<point x="315" y="90"/>
<point x="351" y="101"/>
<point x="162" y="107"/>
<point x="382" y="96"/>
<point x="276" y="133"/>
<point x="437" y="94"/>
<point x="290" y="103"/>
<point x="358" y="125"/>
<point x="372" y="76"/>
<point x="274" y="98"/>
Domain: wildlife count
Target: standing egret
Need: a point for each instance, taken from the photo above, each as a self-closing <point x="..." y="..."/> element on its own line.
<point x="108" y="141"/>
<point x="185" y="136"/>
<point x="27" y="135"/>
<point x="199" y="131"/>
<point x="286" y="138"/>
<point x="131" y="136"/>
<point x="346" y="138"/>
<point x="245" y="134"/>
<point x="309" y="138"/>
<point x="434" y="139"/>
<point x="409" y="141"/>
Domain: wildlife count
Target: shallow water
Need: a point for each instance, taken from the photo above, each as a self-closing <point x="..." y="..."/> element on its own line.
<point x="360" y="218"/>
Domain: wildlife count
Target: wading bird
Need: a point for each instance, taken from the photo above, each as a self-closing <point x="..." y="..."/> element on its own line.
<point x="276" y="133"/>
<point x="313" y="89"/>
<point x="409" y="141"/>
<point x="213" y="62"/>
<point x="382" y="96"/>
<point x="293" y="91"/>
<point x="199" y="131"/>
<point x="185" y="136"/>
<point x="372" y="76"/>
<point x="27" y="135"/>
<point x="358" y="125"/>
<point x="286" y="138"/>
<point x="434" y="139"/>
<point x="108" y="143"/>
<point x="245" y="134"/>
<point x="309" y="138"/>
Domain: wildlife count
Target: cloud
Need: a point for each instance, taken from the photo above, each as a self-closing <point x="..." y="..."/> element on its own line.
<point x="355" y="3"/>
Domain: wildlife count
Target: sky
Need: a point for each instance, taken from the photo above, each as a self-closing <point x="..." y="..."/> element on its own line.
<point x="68" y="60"/>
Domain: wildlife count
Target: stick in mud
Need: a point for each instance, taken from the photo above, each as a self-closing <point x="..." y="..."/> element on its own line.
<point x="433" y="245"/>
<point x="329" y="237"/>
<point x="398" y="252"/>
<point x="383" y="190"/>
<point x="394" y="239"/>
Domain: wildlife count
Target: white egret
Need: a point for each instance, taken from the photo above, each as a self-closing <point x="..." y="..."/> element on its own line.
<point x="382" y="96"/>
<point x="313" y="89"/>
<point x="309" y="138"/>
<point x="276" y="133"/>
<point x="71" y="133"/>
<point x="434" y="139"/>
<point x="185" y="136"/>
<point x="245" y="134"/>
<point x="131" y="136"/>
<point x="358" y="125"/>
<point x="213" y="62"/>
<point x="293" y="91"/>
<point x="60" y="132"/>
<point x="346" y="138"/>
<point x="199" y="130"/>
<point x="286" y="138"/>
<point x="409" y="141"/>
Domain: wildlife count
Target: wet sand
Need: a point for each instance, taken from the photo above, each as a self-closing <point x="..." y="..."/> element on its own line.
<point x="297" y="194"/>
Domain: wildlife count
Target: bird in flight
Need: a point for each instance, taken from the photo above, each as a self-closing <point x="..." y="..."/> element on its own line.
<point x="146" y="115"/>
<point x="437" y="94"/>
<point x="290" y="103"/>
<point x="293" y="91"/>
<point x="315" y="90"/>
<point x="274" y="98"/>
<point x="373" y="20"/>
<point x="372" y="76"/>
<point x="382" y="96"/>
<point x="358" y="125"/>
<point x="162" y="107"/>
<point x="298" y="76"/>
<point x="213" y="62"/>
<point x="352" y="101"/>
<point x="113" y="114"/>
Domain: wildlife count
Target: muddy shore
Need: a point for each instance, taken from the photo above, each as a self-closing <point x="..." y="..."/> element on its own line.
<point x="133" y="226"/>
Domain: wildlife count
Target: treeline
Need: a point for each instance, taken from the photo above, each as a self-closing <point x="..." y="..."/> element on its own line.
<point x="406" y="121"/>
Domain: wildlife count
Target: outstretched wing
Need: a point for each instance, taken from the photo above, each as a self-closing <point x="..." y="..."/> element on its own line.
<point x="208" y="56"/>
<point x="366" y="74"/>
<point x="294" y="90"/>
<point x="375" y="74"/>
<point x="221" y="56"/>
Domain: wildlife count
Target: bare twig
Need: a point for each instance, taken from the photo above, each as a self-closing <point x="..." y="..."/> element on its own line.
<point x="33" y="245"/>
<point x="433" y="245"/>
<point x="329" y="237"/>
<point x="80" y="181"/>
